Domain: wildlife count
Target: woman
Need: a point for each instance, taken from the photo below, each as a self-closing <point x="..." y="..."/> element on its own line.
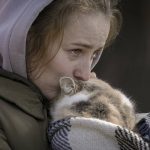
<point x="40" y="41"/>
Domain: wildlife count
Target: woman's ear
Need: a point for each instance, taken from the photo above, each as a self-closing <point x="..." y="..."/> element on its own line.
<point x="67" y="85"/>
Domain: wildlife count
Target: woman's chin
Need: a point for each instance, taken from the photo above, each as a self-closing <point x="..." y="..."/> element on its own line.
<point x="52" y="94"/>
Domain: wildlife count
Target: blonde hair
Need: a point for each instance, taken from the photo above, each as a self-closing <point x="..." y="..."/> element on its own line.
<point x="49" y="27"/>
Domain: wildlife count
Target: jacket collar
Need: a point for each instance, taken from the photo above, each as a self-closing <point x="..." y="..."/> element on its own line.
<point x="25" y="95"/>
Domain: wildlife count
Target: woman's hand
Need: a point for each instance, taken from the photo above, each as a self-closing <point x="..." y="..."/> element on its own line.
<point x="93" y="75"/>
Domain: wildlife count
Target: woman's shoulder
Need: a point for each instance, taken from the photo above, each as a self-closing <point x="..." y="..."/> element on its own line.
<point x="18" y="92"/>
<point x="13" y="86"/>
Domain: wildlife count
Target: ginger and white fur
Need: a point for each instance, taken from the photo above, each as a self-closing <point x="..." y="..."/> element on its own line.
<point x="93" y="98"/>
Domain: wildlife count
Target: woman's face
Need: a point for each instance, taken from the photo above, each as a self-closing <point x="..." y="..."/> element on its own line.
<point x="84" y="38"/>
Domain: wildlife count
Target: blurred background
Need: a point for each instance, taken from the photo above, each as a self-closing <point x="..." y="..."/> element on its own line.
<point x="126" y="63"/>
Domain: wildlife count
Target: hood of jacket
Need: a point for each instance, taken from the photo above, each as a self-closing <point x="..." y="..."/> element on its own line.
<point x="16" y="17"/>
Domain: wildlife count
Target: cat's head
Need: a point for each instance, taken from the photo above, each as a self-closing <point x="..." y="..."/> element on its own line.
<point x="70" y="86"/>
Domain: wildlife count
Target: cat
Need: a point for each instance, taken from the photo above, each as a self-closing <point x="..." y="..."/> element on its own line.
<point x="94" y="99"/>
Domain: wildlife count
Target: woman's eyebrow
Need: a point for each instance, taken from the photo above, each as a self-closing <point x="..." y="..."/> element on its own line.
<point x="88" y="46"/>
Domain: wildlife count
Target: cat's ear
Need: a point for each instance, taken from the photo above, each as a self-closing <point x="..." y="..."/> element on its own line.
<point x="67" y="85"/>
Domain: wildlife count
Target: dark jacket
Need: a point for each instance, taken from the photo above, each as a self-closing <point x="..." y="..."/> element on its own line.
<point x="23" y="115"/>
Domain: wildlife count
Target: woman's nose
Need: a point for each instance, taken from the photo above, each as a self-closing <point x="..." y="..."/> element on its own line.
<point x="82" y="72"/>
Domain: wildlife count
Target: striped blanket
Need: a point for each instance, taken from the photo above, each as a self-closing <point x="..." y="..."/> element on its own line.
<point x="78" y="133"/>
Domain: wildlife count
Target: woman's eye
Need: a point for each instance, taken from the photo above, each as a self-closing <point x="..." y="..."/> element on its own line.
<point x="76" y="52"/>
